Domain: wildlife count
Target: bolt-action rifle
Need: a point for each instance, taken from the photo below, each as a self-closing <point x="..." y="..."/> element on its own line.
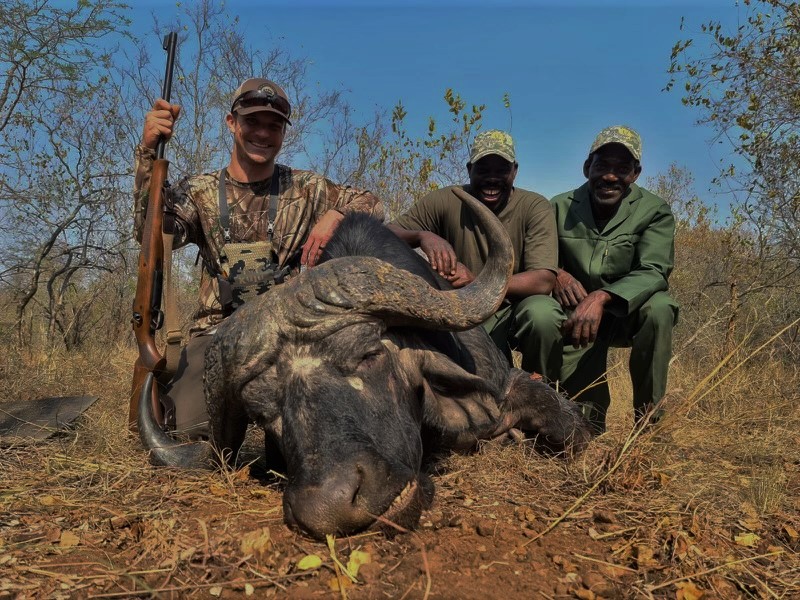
<point x="148" y="316"/>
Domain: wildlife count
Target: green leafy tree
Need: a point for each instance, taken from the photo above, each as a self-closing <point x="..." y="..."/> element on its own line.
<point x="746" y="85"/>
<point x="400" y="166"/>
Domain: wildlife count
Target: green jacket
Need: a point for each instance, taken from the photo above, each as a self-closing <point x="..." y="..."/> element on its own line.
<point x="631" y="258"/>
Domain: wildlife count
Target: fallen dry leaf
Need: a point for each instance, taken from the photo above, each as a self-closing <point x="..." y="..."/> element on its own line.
<point x="688" y="591"/>
<point x="680" y="545"/>
<point x="68" y="540"/>
<point x="357" y="558"/>
<point x="335" y="583"/>
<point x="242" y="474"/>
<point x="218" y="490"/>
<point x="751" y="523"/>
<point x="747" y="539"/>
<point x="645" y="556"/>
<point x="791" y="532"/>
<point x="256" y="543"/>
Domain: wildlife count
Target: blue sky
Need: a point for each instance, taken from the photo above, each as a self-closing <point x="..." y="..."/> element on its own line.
<point x="570" y="68"/>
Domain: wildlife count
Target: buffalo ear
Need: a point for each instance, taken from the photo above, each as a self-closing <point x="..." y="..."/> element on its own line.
<point x="460" y="406"/>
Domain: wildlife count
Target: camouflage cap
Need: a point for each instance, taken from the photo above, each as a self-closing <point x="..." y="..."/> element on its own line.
<point x="493" y="141"/>
<point x="619" y="134"/>
<point x="261" y="95"/>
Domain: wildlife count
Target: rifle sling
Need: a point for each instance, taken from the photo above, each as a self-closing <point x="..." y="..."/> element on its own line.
<point x="171" y="322"/>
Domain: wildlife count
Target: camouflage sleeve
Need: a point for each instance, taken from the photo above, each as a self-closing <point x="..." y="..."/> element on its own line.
<point x="143" y="168"/>
<point x="349" y="199"/>
<point x="186" y="213"/>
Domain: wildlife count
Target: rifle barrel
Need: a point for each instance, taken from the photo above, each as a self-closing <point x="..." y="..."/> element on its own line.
<point x="170" y="45"/>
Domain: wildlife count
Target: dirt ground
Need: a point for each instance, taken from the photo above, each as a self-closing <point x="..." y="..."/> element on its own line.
<point x="505" y="523"/>
<point x="704" y="505"/>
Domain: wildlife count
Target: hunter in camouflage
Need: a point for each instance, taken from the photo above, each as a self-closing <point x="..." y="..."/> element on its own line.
<point x="264" y="243"/>
<point x="304" y="198"/>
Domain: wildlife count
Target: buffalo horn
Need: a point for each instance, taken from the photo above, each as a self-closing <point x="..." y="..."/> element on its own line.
<point x="165" y="451"/>
<point x="369" y="286"/>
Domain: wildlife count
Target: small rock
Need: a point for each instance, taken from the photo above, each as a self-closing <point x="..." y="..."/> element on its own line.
<point x="603" y="516"/>
<point x="455" y="521"/>
<point x="529" y="533"/>
<point x="598" y="584"/>
<point x="485" y="528"/>
<point x="525" y="514"/>
<point x="584" y="594"/>
<point x="370" y="572"/>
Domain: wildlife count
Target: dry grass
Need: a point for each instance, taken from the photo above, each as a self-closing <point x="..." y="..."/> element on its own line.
<point x="707" y="502"/>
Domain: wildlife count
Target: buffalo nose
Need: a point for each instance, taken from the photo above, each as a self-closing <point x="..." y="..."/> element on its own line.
<point x="338" y="504"/>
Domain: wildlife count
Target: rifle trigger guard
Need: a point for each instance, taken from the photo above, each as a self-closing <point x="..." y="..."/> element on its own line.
<point x="157" y="320"/>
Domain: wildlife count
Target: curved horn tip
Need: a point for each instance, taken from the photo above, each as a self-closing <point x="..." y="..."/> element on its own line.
<point x="164" y="450"/>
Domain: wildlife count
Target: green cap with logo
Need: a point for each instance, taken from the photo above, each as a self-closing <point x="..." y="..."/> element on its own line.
<point x="493" y="141"/>
<point x="619" y="134"/>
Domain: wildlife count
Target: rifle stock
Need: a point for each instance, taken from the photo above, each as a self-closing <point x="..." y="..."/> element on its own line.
<point x="147" y="314"/>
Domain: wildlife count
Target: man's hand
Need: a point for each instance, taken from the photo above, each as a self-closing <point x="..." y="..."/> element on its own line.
<point x="584" y="322"/>
<point x="159" y="122"/>
<point x="568" y="291"/>
<point x="319" y="236"/>
<point x="440" y="254"/>
<point x="461" y="277"/>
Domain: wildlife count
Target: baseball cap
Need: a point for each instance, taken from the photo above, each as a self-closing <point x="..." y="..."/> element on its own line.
<point x="261" y="95"/>
<point x="619" y="134"/>
<point x="492" y="141"/>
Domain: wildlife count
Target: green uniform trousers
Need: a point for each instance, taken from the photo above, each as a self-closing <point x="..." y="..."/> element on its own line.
<point x="533" y="326"/>
<point x="648" y="332"/>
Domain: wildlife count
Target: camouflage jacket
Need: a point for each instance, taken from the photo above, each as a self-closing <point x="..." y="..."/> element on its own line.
<point x="303" y="198"/>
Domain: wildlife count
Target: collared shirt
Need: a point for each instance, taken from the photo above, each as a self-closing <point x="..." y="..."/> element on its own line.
<point x="631" y="258"/>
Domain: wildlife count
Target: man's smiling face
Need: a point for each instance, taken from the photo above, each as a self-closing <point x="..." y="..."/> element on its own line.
<point x="257" y="137"/>
<point x="491" y="179"/>
<point x="611" y="169"/>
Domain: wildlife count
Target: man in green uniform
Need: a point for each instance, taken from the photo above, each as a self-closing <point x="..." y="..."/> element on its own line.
<point x="616" y="252"/>
<point x="446" y="232"/>
<point x="277" y="217"/>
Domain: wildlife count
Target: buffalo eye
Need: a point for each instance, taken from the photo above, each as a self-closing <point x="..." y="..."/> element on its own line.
<point x="371" y="358"/>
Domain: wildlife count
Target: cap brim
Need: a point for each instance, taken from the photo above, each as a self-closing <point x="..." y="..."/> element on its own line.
<point x="634" y="154"/>
<point x="480" y="155"/>
<point x="254" y="109"/>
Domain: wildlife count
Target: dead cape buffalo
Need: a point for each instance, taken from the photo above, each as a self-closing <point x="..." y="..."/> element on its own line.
<point x="356" y="369"/>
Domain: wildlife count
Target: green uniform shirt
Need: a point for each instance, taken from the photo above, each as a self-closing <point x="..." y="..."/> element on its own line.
<point x="527" y="217"/>
<point x="631" y="258"/>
